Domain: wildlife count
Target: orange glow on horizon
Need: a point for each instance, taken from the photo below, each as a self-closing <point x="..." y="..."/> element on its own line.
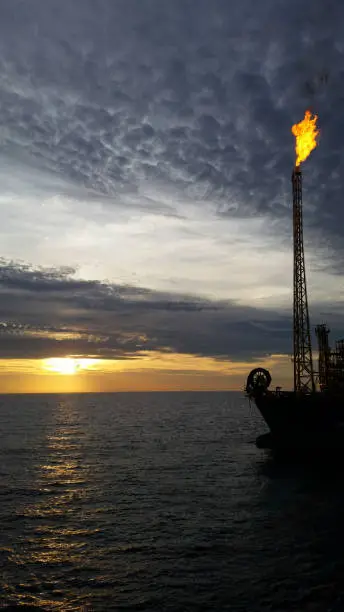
<point x="147" y="371"/>
<point x="306" y="133"/>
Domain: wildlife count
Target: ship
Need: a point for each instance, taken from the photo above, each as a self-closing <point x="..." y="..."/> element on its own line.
<point x="311" y="416"/>
<point x="299" y="420"/>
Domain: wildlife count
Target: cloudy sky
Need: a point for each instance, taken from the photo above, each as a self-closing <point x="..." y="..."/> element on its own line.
<point x="145" y="162"/>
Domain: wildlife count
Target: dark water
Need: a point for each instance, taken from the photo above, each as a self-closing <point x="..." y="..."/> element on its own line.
<point x="160" y="502"/>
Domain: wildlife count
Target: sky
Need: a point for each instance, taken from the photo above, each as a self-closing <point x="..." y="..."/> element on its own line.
<point x="145" y="163"/>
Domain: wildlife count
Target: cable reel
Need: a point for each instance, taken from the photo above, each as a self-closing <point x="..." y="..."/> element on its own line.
<point x="258" y="381"/>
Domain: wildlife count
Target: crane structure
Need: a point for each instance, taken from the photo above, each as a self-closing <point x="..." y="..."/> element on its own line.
<point x="303" y="362"/>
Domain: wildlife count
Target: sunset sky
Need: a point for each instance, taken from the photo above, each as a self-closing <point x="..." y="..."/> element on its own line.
<point x="145" y="164"/>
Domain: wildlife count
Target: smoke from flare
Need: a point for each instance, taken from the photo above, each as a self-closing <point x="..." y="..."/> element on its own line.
<point x="306" y="133"/>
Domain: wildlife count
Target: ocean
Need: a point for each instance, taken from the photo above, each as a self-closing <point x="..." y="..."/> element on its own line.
<point x="160" y="501"/>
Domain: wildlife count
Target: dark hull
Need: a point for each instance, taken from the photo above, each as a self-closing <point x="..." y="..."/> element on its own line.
<point x="304" y="422"/>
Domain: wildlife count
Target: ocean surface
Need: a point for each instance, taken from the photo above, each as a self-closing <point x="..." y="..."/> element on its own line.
<point x="160" y="501"/>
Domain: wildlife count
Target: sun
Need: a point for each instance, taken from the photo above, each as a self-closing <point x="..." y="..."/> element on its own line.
<point x="61" y="365"/>
<point x="67" y="366"/>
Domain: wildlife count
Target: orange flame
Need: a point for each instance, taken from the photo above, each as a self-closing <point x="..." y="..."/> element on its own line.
<point x="306" y="134"/>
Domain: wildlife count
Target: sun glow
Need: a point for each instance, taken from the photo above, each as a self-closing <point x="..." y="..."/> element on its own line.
<point x="67" y="365"/>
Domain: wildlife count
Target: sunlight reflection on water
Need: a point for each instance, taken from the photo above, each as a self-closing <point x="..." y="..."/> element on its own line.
<point x="53" y="537"/>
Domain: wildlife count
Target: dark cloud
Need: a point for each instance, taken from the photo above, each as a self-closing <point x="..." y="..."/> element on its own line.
<point x="108" y="98"/>
<point x="48" y="313"/>
<point x="201" y="95"/>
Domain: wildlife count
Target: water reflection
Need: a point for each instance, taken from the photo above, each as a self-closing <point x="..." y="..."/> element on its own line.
<point x="56" y="537"/>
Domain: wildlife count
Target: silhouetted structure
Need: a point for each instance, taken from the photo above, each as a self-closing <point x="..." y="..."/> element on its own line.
<point x="303" y="363"/>
<point x="303" y="419"/>
<point x="322" y="333"/>
<point x="331" y="362"/>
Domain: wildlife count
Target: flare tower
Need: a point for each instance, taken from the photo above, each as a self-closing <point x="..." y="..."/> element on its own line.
<point x="303" y="362"/>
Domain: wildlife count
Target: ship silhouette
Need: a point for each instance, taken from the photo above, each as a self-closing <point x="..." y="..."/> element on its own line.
<point x="311" y="417"/>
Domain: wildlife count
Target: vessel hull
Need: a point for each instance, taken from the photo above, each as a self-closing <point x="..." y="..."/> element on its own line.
<point x="301" y="421"/>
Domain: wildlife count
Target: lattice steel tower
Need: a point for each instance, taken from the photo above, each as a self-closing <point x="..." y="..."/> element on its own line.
<point x="303" y="363"/>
